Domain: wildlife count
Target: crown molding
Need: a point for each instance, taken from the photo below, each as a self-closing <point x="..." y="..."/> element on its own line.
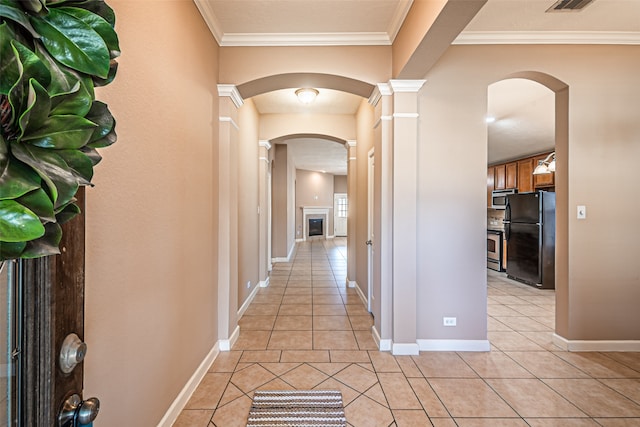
<point x="548" y="37"/>
<point x="232" y="92"/>
<point x="398" y="18"/>
<point x="305" y="39"/>
<point x="209" y="18"/>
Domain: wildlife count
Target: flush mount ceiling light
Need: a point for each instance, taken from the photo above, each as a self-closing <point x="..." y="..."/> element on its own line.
<point x="547" y="165"/>
<point x="306" y="95"/>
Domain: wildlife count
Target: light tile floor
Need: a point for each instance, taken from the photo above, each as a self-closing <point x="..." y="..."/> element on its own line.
<point x="308" y="331"/>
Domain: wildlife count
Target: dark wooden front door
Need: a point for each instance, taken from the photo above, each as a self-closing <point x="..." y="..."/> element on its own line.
<point x="53" y="308"/>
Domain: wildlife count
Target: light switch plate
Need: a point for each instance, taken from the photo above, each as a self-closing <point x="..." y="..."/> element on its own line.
<point x="582" y="212"/>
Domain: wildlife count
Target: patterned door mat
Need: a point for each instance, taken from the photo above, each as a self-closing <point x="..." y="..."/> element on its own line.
<point x="297" y="408"/>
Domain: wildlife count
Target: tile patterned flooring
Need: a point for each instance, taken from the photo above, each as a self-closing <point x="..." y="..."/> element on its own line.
<point x="308" y="331"/>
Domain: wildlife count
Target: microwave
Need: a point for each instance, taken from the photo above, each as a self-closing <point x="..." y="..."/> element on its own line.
<point x="499" y="198"/>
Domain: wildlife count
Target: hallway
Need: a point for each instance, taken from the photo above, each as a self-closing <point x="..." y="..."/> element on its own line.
<point x="308" y="331"/>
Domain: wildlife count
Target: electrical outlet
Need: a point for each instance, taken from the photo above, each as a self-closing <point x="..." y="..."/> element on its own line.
<point x="449" y="321"/>
<point x="249" y="285"/>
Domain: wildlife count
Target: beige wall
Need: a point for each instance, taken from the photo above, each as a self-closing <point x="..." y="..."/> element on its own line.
<point x="248" y="216"/>
<point x="370" y="64"/>
<point x="365" y="142"/>
<point x="313" y="189"/>
<point x="151" y="292"/>
<point x="339" y="183"/>
<point x="280" y="196"/>
<point x="340" y="126"/>
<point x="603" y="284"/>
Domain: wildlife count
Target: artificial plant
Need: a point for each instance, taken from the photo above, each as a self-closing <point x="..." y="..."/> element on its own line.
<point x="52" y="55"/>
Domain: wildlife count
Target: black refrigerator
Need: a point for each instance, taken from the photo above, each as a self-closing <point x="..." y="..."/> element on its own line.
<point x="530" y="230"/>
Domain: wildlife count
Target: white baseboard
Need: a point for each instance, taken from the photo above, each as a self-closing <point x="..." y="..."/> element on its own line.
<point x="408" y="349"/>
<point x="225" y="345"/>
<point x="331" y="237"/>
<point x="282" y="259"/>
<point x="248" y="301"/>
<point x="362" y="296"/>
<point x="596" y="345"/>
<point x="264" y="283"/>
<point x="299" y="240"/>
<point x="183" y="397"/>
<point x="383" y="345"/>
<point x="454" y="345"/>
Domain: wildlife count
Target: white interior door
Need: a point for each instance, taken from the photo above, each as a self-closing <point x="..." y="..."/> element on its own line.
<point x="370" y="228"/>
<point x="340" y="208"/>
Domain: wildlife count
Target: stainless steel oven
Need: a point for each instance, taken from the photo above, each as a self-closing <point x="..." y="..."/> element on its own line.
<point x="494" y="249"/>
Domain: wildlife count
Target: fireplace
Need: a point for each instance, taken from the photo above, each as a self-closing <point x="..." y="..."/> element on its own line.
<point x="316" y="227"/>
<point x="320" y="214"/>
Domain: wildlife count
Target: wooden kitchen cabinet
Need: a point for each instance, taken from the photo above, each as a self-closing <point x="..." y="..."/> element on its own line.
<point x="490" y="184"/>
<point x="500" y="177"/>
<point x="511" y="172"/>
<point x="543" y="180"/>
<point x="525" y="175"/>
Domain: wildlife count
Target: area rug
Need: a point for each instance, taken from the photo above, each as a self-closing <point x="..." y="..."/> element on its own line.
<point x="297" y="408"/>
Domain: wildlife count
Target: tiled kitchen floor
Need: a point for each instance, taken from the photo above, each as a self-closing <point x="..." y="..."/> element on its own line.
<point x="307" y="331"/>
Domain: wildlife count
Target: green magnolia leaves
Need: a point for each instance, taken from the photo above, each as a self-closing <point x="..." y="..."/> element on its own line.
<point x="52" y="55"/>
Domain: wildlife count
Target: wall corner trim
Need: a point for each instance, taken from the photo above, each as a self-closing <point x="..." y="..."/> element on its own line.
<point x="454" y="345"/>
<point x="225" y="345"/>
<point x="405" y="349"/>
<point x="231" y="91"/>
<point x="185" y="394"/>
<point x="596" y="345"/>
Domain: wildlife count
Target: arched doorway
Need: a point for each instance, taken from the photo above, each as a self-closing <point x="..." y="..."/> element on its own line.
<point x="530" y="86"/>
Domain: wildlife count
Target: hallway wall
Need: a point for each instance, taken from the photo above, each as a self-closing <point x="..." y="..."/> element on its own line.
<point x="313" y="189"/>
<point x="603" y="275"/>
<point x="151" y="292"/>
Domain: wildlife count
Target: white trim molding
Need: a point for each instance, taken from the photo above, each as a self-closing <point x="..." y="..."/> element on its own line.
<point x="229" y="120"/>
<point x="383" y="345"/>
<point x="405" y="349"/>
<point x="248" y="301"/>
<point x="185" y="394"/>
<point x="548" y="37"/>
<point x="454" y="345"/>
<point x="596" y="345"/>
<point x="352" y="142"/>
<point x="306" y="39"/>
<point x="362" y="296"/>
<point x="264" y="143"/>
<point x="232" y="92"/>
<point x="264" y="283"/>
<point x="225" y="345"/>
<point x="406" y="115"/>
<point x="406" y="85"/>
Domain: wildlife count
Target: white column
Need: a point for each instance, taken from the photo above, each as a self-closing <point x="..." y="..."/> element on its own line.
<point x="229" y="102"/>
<point x="352" y="185"/>
<point x="263" y="212"/>
<point x="405" y="214"/>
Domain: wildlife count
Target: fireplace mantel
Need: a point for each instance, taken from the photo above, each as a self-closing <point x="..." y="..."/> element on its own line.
<point x="315" y="210"/>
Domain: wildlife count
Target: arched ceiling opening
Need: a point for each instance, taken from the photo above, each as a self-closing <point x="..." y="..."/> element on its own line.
<point x="319" y="153"/>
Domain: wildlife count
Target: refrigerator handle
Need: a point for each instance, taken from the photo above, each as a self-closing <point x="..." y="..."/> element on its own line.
<point x="507" y="211"/>
<point x="507" y="231"/>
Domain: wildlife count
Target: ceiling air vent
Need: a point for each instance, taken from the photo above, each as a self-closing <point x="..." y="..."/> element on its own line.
<point x="569" y="5"/>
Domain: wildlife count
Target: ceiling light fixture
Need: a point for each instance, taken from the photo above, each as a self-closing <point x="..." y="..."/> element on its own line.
<point x="547" y="165"/>
<point x="306" y="95"/>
